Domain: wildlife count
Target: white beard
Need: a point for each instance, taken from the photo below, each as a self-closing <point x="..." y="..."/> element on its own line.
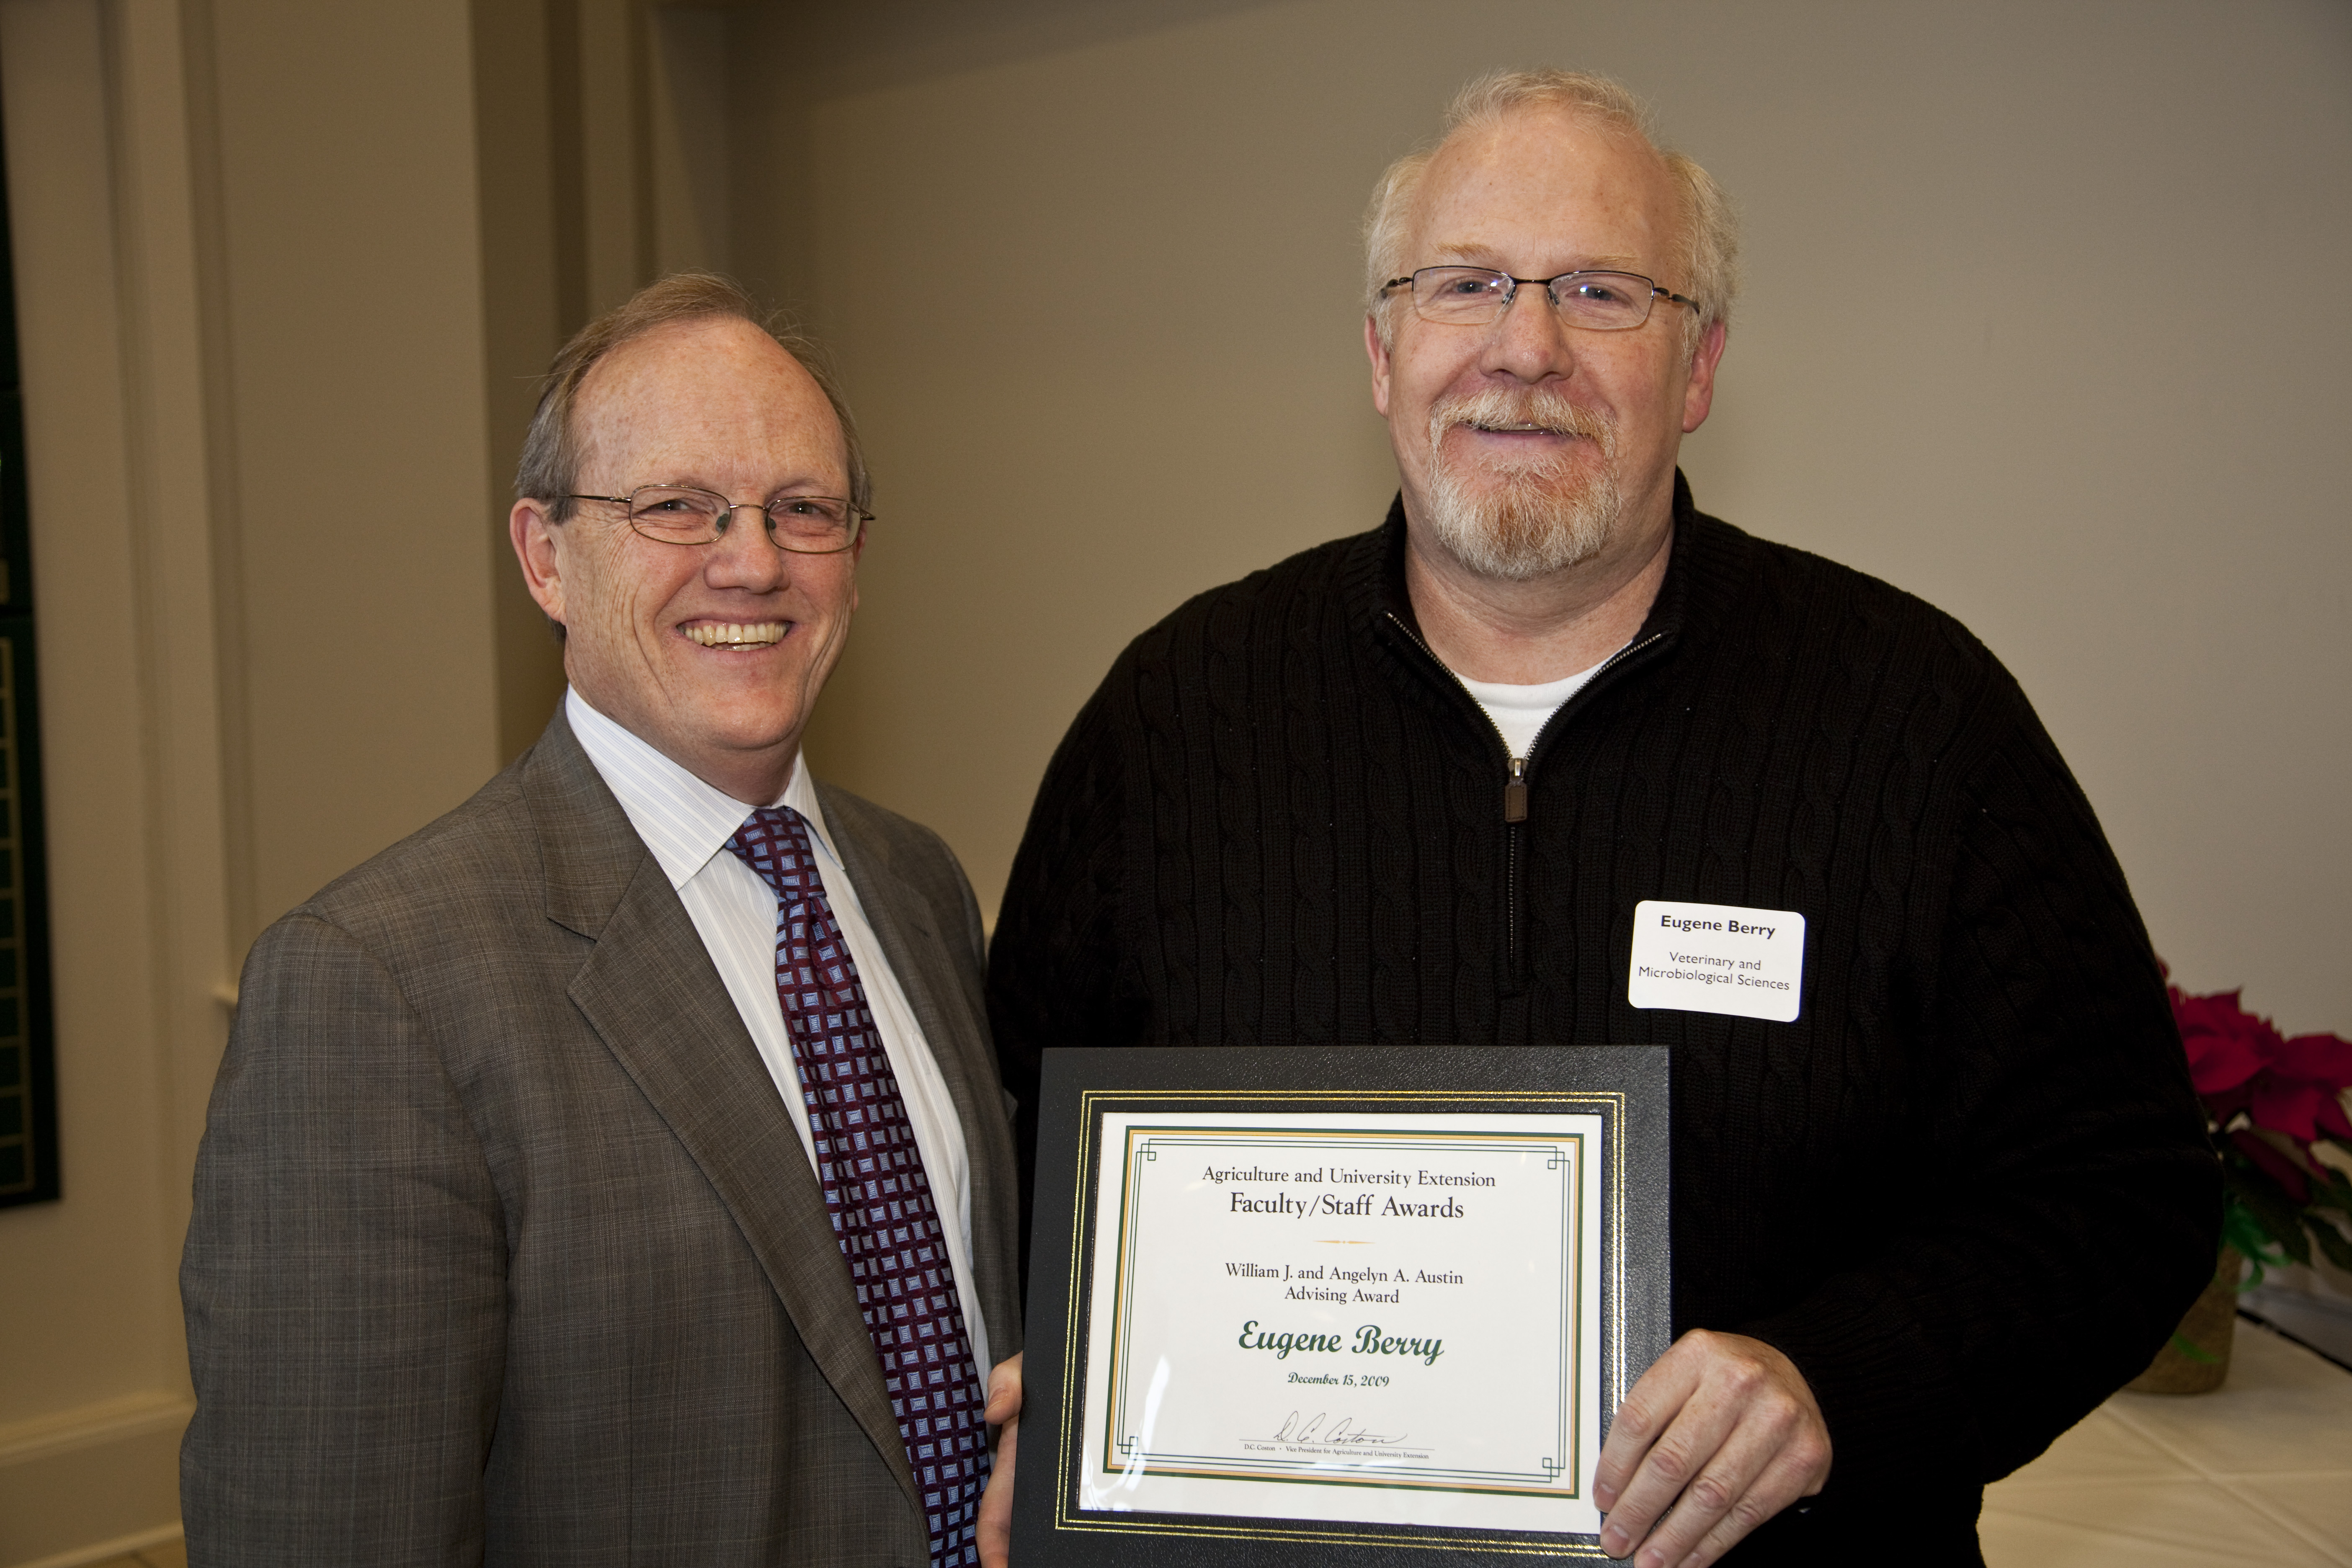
<point x="1525" y="520"/>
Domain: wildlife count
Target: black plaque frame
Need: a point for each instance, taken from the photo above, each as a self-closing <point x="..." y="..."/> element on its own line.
<point x="1625" y="1084"/>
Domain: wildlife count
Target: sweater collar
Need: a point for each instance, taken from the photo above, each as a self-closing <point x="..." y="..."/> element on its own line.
<point x="1705" y="569"/>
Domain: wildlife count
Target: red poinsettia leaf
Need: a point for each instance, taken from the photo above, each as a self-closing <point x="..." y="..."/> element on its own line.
<point x="2316" y="1059"/>
<point x="2217" y="1061"/>
<point x="2218" y="1011"/>
<point x="2289" y="1108"/>
<point x="2333" y="1119"/>
<point x="2277" y="1166"/>
<point x="2226" y="1044"/>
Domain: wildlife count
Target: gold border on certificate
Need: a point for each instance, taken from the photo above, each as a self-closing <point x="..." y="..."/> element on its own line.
<point x="1121" y="1445"/>
<point x="1609" y="1173"/>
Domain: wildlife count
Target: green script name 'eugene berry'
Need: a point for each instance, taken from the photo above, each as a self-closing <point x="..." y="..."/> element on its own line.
<point x="1370" y="1341"/>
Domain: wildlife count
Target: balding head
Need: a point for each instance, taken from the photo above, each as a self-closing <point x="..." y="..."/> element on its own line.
<point x="554" y="449"/>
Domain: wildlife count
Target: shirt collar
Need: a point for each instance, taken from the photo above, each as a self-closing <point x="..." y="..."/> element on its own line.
<point x="683" y="820"/>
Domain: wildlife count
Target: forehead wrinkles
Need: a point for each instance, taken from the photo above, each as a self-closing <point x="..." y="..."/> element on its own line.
<point x="1551" y="177"/>
<point x="693" y="391"/>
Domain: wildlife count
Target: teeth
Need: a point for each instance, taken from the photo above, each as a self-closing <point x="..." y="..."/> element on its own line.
<point x="711" y="635"/>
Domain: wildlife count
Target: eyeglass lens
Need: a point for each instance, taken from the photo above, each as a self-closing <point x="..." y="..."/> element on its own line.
<point x="681" y="516"/>
<point x="1472" y="296"/>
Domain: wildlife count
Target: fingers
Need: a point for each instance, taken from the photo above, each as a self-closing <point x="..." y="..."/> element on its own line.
<point x="1783" y="1481"/>
<point x="1727" y="1436"/>
<point x="1695" y="1430"/>
<point x="993" y="1531"/>
<point x="1004" y="1392"/>
<point x="1648" y="1409"/>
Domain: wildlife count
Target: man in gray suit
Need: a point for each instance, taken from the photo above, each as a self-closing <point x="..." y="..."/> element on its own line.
<point x="616" y="1170"/>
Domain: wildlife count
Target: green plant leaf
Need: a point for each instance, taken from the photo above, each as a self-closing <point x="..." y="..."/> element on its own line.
<point x="2240" y="1229"/>
<point x="2181" y="1342"/>
<point x="2275" y="1216"/>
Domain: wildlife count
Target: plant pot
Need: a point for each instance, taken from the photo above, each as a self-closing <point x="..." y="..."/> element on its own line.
<point x="2212" y="1318"/>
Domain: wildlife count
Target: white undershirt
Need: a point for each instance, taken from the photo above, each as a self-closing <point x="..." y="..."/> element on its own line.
<point x="686" y="824"/>
<point x="1521" y="712"/>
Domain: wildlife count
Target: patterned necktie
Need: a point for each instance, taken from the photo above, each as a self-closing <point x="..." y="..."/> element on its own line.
<point x="874" y="1189"/>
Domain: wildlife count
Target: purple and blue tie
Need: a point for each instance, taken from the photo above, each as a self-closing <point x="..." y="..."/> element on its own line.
<point x="874" y="1189"/>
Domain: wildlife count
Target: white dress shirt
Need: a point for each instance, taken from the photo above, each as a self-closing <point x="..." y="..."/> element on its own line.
<point x="687" y="822"/>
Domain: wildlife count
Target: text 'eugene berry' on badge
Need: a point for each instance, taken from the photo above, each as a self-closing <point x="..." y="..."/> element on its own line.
<point x="1717" y="958"/>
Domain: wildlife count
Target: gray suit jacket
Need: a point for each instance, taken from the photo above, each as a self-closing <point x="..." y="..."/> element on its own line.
<point x="505" y="1247"/>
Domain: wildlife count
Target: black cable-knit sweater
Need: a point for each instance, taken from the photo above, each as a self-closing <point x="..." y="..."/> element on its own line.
<point x="1967" y="1191"/>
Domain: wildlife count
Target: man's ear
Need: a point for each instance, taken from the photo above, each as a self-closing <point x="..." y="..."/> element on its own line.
<point x="1698" y="393"/>
<point x="534" y="546"/>
<point x="1378" y="353"/>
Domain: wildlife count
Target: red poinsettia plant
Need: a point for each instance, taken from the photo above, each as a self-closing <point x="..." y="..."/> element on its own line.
<point x="2274" y="1107"/>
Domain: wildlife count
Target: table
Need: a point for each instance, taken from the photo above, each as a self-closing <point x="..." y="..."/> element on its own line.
<point x="2258" y="1472"/>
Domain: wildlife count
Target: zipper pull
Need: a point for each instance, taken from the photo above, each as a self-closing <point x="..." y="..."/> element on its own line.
<point x="1515" y="792"/>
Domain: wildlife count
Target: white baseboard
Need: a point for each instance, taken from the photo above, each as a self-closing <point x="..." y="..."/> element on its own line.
<point x="121" y="1546"/>
<point x="98" y="1481"/>
<point x="100" y="1421"/>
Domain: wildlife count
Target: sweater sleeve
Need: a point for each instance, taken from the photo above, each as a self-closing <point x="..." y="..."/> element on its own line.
<point x="1056" y="975"/>
<point x="2067" y="1203"/>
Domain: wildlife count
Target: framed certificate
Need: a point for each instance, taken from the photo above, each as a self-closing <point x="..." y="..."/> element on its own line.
<point x="1374" y="1298"/>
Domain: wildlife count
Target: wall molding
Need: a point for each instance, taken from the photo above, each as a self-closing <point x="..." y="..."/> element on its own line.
<point x="87" y="1425"/>
<point x="121" y="1546"/>
<point x="107" y="1469"/>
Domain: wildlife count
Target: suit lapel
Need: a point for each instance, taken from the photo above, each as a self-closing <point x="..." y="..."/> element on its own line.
<point x="651" y="993"/>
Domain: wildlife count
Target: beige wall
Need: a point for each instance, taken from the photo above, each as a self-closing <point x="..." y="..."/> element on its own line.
<point x="250" y="295"/>
<point x="93" y="1393"/>
<point x="353" y="346"/>
<point x="287" y="271"/>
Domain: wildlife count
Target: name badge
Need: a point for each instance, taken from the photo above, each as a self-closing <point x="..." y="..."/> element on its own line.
<point x="1717" y="958"/>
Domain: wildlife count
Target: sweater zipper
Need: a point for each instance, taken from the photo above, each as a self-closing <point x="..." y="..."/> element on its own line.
<point x="1514" y="784"/>
<point x="1514" y="809"/>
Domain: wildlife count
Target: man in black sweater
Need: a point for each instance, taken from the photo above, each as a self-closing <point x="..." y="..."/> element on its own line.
<point x="1940" y="1188"/>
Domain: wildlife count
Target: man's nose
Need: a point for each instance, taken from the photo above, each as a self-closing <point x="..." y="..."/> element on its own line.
<point x="745" y="555"/>
<point x="1529" y="341"/>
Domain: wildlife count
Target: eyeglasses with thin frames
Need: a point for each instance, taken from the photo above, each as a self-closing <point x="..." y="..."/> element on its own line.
<point x="1599" y="301"/>
<point x="680" y="514"/>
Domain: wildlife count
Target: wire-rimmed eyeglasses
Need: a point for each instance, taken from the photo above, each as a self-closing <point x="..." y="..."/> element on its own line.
<point x="680" y="514"/>
<point x="1475" y="295"/>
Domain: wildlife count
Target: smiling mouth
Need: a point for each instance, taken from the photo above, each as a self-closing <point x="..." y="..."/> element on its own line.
<point x="1516" y="429"/>
<point x="754" y="634"/>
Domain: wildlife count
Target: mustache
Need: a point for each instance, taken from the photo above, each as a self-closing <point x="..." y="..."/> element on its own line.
<point x="1545" y="408"/>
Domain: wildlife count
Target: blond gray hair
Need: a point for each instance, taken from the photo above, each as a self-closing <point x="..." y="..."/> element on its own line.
<point x="1711" y="231"/>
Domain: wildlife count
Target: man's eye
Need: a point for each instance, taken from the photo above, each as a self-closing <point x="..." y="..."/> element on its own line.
<point x="1600" y="293"/>
<point x="1471" y="287"/>
<point x="809" y="509"/>
<point x="673" y="506"/>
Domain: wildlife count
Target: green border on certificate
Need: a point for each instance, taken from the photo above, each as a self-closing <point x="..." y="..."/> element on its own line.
<point x="1553" y="1360"/>
<point x="1382" y="1299"/>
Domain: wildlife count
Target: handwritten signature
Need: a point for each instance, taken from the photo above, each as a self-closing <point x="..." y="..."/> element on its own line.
<point x="1313" y="1428"/>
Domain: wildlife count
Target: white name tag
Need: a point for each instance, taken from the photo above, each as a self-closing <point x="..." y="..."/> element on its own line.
<point x="1717" y="958"/>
